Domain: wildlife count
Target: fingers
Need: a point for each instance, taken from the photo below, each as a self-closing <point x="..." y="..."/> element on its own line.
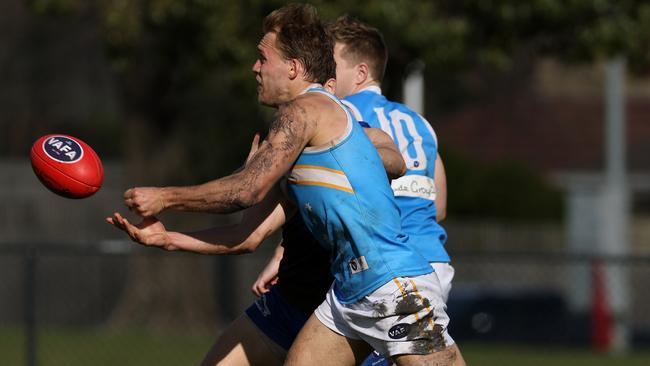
<point x="258" y="286"/>
<point x="261" y="286"/>
<point x="259" y="289"/>
<point x="115" y="220"/>
<point x="255" y="290"/>
<point x="129" y="199"/>
<point x="132" y="230"/>
<point x="137" y="200"/>
<point x="123" y="224"/>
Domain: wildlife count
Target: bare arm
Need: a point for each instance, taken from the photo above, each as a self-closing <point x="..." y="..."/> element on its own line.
<point x="239" y="239"/>
<point x="258" y="223"/>
<point x="440" y="179"/>
<point x="287" y="137"/>
<point x="269" y="274"/>
<point x="390" y="155"/>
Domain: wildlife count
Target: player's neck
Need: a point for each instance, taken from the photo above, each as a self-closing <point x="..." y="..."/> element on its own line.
<point x="300" y="87"/>
<point x="366" y="85"/>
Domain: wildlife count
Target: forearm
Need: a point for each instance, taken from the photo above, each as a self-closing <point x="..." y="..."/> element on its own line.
<point x="279" y="252"/>
<point x="390" y="156"/>
<point x="216" y="241"/>
<point x="393" y="162"/>
<point x="223" y="195"/>
<point x="440" y="180"/>
<point x="257" y="224"/>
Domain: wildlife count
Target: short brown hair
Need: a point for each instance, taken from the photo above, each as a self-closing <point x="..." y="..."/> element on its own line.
<point x="301" y="35"/>
<point x="361" y="43"/>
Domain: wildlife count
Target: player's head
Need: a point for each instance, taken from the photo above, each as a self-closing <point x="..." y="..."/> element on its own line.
<point x="295" y="49"/>
<point x="360" y="53"/>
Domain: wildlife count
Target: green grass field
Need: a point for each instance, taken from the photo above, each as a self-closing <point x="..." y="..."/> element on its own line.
<point x="83" y="347"/>
<point x="516" y="355"/>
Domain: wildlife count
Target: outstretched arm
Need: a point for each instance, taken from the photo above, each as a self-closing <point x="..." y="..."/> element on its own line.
<point x="288" y="135"/>
<point x="258" y="223"/>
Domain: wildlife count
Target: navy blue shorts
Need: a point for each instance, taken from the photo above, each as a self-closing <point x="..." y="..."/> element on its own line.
<point x="276" y="318"/>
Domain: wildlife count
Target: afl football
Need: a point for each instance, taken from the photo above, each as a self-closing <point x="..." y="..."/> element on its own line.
<point x="67" y="166"/>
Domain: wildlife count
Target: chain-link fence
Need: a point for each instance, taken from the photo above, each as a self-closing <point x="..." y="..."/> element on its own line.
<point x="116" y="304"/>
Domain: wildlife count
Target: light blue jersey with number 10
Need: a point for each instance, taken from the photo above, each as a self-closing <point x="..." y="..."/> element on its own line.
<point x="415" y="191"/>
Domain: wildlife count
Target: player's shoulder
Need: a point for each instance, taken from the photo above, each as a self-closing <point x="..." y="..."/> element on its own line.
<point x="318" y="103"/>
<point x="302" y="104"/>
<point x="310" y="107"/>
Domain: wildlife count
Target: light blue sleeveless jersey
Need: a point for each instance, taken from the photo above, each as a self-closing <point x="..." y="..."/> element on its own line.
<point x="343" y="195"/>
<point x="415" y="191"/>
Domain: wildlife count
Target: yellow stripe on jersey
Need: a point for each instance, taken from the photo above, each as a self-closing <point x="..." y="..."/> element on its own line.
<point x="318" y="167"/>
<point x="314" y="175"/>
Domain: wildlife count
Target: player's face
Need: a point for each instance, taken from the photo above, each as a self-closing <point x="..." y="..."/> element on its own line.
<point x="345" y="73"/>
<point x="270" y="71"/>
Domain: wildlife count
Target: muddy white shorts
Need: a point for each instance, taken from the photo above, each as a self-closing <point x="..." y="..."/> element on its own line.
<point x="445" y="273"/>
<point x="404" y="316"/>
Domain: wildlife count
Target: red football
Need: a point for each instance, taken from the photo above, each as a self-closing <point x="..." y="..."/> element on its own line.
<point x="67" y="166"/>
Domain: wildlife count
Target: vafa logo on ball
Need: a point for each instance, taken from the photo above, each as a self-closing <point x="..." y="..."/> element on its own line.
<point x="63" y="149"/>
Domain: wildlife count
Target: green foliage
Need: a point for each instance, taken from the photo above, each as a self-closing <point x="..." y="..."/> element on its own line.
<point x="55" y="7"/>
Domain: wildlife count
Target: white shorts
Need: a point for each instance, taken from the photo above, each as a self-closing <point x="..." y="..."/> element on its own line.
<point x="404" y="316"/>
<point x="445" y="273"/>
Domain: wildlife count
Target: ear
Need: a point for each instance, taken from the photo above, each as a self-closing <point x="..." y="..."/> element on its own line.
<point x="295" y="68"/>
<point x="363" y="73"/>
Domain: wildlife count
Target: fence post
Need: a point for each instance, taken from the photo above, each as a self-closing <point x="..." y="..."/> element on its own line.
<point x="30" y="305"/>
<point x="601" y="314"/>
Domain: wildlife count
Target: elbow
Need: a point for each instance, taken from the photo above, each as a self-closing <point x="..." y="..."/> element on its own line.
<point x="402" y="169"/>
<point x="248" y="199"/>
<point x="245" y="250"/>
<point x="249" y="245"/>
<point x="397" y="171"/>
<point x="253" y="195"/>
<point x="242" y="248"/>
<point x="253" y="242"/>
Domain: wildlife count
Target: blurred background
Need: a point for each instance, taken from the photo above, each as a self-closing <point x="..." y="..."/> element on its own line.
<point x="541" y="110"/>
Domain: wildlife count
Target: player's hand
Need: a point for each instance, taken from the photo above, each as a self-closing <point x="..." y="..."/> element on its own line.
<point x="144" y="201"/>
<point x="267" y="278"/>
<point x="149" y="232"/>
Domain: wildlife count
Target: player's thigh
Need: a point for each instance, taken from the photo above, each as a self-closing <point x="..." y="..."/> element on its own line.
<point x="316" y="344"/>
<point x="445" y="357"/>
<point x="243" y="344"/>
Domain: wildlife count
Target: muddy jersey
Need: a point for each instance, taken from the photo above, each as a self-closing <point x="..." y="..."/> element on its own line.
<point x="415" y="192"/>
<point x="342" y="193"/>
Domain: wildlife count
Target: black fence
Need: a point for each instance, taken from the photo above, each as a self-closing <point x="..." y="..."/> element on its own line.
<point x="116" y="303"/>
